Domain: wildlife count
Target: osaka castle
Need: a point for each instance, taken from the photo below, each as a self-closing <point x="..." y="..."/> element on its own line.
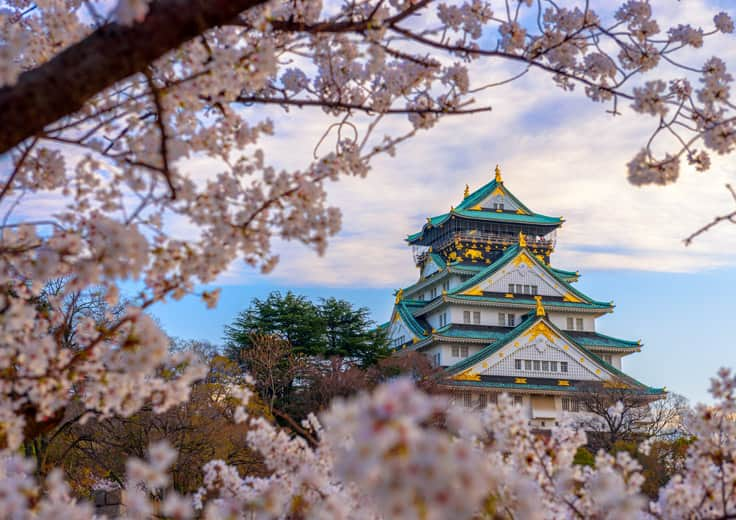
<point x="491" y="310"/>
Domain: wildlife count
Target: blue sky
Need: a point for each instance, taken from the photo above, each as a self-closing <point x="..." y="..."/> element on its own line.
<point x="683" y="319"/>
<point x="560" y="154"/>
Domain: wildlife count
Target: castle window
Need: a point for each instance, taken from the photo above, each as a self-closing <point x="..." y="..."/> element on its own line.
<point x="527" y="289"/>
<point x="433" y="292"/>
<point x="517" y="364"/>
<point x="570" y="324"/>
<point x="534" y="290"/>
<point x="443" y="319"/>
<point x="563" y="366"/>
<point x="398" y="341"/>
<point x="502" y="319"/>
<point x="518" y="288"/>
<point x="464" y="351"/>
<point x="579" y="323"/>
<point x="466" y="316"/>
<point x="518" y="400"/>
<point x="482" y="400"/>
<point x="537" y="367"/>
<point x="511" y="320"/>
<point x="553" y="366"/>
<point x="511" y="287"/>
<point x="527" y="364"/>
<point x="545" y="366"/>
<point x="436" y="359"/>
<point x="570" y="405"/>
<point x="476" y="318"/>
<point x="467" y="399"/>
<point x="455" y="351"/>
<point x="446" y="285"/>
<point x="607" y="358"/>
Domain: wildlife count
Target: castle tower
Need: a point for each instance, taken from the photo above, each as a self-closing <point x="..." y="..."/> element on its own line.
<point x="497" y="317"/>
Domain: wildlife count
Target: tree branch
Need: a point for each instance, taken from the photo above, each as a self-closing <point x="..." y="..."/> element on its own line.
<point x="730" y="217"/>
<point x="62" y="85"/>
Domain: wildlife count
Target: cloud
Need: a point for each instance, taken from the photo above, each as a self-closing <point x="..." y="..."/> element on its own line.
<point x="560" y="154"/>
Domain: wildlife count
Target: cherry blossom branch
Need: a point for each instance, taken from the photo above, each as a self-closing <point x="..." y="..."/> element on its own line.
<point x="161" y="123"/>
<point x="63" y="85"/>
<point x="728" y="217"/>
<point x="18" y="165"/>
<point x="355" y="106"/>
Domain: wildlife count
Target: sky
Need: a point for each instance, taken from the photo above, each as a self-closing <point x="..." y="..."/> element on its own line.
<point x="562" y="155"/>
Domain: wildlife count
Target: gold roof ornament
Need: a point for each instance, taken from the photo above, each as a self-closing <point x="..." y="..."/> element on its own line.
<point x="540" y="307"/>
<point x="466" y="193"/>
<point x="522" y="239"/>
<point x="452" y="208"/>
<point x="498" y="174"/>
<point x="467" y="375"/>
<point x="399" y="295"/>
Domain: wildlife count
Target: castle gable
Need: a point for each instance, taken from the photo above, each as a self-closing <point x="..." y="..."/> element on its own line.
<point x="535" y="349"/>
<point x="520" y="272"/>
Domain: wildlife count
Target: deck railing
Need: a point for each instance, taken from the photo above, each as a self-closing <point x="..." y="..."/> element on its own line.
<point x="483" y="238"/>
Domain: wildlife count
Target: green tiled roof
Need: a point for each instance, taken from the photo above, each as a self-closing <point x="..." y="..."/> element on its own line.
<point x="504" y="259"/>
<point x="466" y="268"/>
<point x="493" y="216"/>
<point x="409" y="320"/>
<point x="521" y="328"/>
<point x="463" y="210"/>
<point x="568" y="276"/>
<point x="437" y="259"/>
<point x="452" y="331"/>
<point x="526" y="301"/>
<point x="596" y="339"/>
<point x="481" y="193"/>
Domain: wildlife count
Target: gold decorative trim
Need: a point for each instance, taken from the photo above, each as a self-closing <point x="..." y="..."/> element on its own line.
<point x="569" y="297"/>
<point x="467" y="375"/>
<point x="541" y="329"/>
<point x="540" y="307"/>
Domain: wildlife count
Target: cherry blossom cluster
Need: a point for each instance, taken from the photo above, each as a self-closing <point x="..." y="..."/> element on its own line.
<point x="399" y="453"/>
<point x="131" y="207"/>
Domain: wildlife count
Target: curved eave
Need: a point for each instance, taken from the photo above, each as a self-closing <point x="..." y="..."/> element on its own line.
<point x="531" y="304"/>
<point x="408" y="319"/>
<point x="531" y="388"/>
<point x="598" y="340"/>
<point x="568" y="276"/>
<point x="612" y="350"/>
<point x="487" y="216"/>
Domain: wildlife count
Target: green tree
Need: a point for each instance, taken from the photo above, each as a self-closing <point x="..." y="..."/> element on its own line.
<point x="291" y="317"/>
<point x="350" y="333"/>
<point x="330" y="328"/>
